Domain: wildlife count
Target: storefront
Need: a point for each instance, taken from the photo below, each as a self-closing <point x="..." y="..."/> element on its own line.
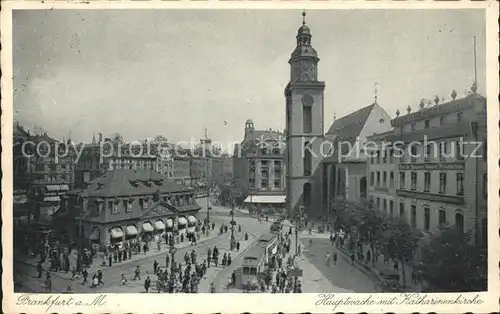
<point x="147" y="231"/>
<point x="181" y="224"/>
<point x="191" y="223"/>
<point x="159" y="230"/>
<point x="131" y="233"/>
<point x="116" y="236"/>
<point x="169" y="227"/>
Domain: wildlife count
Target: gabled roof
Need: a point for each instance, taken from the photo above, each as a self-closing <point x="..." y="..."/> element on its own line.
<point x="120" y="182"/>
<point x="350" y="126"/>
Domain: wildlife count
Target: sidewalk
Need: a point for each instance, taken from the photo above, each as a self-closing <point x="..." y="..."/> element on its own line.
<point x="97" y="262"/>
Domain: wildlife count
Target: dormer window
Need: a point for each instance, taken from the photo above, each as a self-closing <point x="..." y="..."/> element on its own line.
<point x="100" y="186"/>
<point x="147" y="183"/>
<point x="135" y="183"/>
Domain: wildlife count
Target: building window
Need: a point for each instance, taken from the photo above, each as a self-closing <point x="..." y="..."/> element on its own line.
<point x="460" y="184"/>
<point x="442" y="217"/>
<point x="413" y="216"/>
<point x="307" y="119"/>
<point x="378" y="178"/>
<point x="391" y="182"/>
<point x="391" y="156"/>
<point x="459" y="222"/>
<point x="459" y="150"/>
<point x="385" y="205"/>
<point x="428" y="152"/>
<point x="277" y="184"/>
<point x="427" y="124"/>
<point x="391" y="208"/>
<point x="413" y="181"/>
<point x="442" y="120"/>
<point x="402" y="211"/>
<point x="114" y="208"/>
<point x="427" y="182"/>
<point x="125" y="203"/>
<point x="427" y="218"/>
<point x="130" y="204"/>
<point x="378" y="203"/>
<point x="385" y="179"/>
<point x="414" y="153"/>
<point x="442" y="183"/>
<point x="307" y="160"/>
<point x="384" y="156"/>
<point x="265" y="173"/>
<point x="402" y="180"/>
<point x="110" y="206"/>
<point x="372" y="178"/>
<point x="264" y="183"/>
<point x="413" y="127"/>
<point x="459" y="116"/>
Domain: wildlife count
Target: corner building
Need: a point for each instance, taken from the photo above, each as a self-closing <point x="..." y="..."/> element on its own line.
<point x="304" y="104"/>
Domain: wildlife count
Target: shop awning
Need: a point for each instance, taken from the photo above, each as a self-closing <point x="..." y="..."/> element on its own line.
<point x="116" y="233"/>
<point x="52" y="199"/>
<point x="192" y="219"/>
<point x="170" y="223"/>
<point x="266" y="199"/>
<point x="95" y="234"/>
<point x="131" y="230"/>
<point x="53" y="188"/>
<point x="146" y="227"/>
<point x="182" y="221"/>
<point x="159" y="225"/>
<point x="64" y="187"/>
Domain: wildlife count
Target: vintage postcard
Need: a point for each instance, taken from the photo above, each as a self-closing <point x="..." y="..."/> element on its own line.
<point x="254" y="157"/>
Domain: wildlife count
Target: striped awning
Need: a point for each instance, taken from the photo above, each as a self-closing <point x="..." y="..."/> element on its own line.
<point x="116" y="233"/>
<point x="191" y="219"/>
<point x="52" y="199"/>
<point x="182" y="221"/>
<point x="170" y="223"/>
<point x="159" y="225"/>
<point x="146" y="227"/>
<point x="131" y="230"/>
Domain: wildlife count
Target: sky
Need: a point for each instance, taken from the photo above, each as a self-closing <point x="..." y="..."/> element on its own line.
<point x="175" y="72"/>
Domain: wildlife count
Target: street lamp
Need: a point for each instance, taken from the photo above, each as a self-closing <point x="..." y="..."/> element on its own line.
<point x="172" y="251"/>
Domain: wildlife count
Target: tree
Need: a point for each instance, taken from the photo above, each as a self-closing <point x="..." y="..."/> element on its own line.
<point x="452" y="263"/>
<point x="401" y="242"/>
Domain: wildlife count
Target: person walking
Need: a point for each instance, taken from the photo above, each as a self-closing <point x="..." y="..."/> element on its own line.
<point x="155" y="267"/>
<point x="229" y="259"/>
<point x="137" y="273"/>
<point x="110" y="260"/>
<point x="224" y="260"/>
<point x="85" y="274"/>
<point x="147" y="284"/>
<point x="124" y="280"/>
<point x="99" y="276"/>
<point x="95" y="281"/>
<point x="167" y="261"/>
<point x="353" y="258"/>
<point x="238" y="246"/>
<point x="334" y="258"/>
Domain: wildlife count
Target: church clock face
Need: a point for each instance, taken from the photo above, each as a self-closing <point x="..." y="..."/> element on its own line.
<point x="307" y="71"/>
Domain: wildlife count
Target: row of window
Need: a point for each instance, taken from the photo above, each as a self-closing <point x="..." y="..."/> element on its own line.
<point x="144" y="203"/>
<point x="428" y="124"/>
<point x="52" y="167"/>
<point x="414" y="181"/>
<point x="442" y="219"/>
<point x="434" y="150"/>
<point x="51" y="177"/>
<point x="265" y="184"/>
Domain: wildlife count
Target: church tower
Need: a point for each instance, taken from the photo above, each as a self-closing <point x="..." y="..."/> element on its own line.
<point x="304" y="125"/>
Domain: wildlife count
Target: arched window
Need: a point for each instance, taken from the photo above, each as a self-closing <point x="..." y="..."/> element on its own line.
<point x="307" y="194"/>
<point x="307" y="116"/>
<point x="459" y="221"/>
<point x="442" y="217"/>
<point x="307" y="160"/>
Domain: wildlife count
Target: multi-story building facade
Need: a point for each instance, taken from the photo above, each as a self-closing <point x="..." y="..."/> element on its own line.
<point x="165" y="162"/>
<point x="182" y="170"/>
<point x="259" y="167"/>
<point x="126" y="204"/>
<point x="46" y="173"/>
<point x="437" y="179"/>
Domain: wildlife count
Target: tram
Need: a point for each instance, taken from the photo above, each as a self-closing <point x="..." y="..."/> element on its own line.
<point x="269" y="242"/>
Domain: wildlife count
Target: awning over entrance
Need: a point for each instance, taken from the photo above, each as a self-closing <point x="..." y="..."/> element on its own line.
<point x="170" y="223"/>
<point x="146" y="227"/>
<point x="182" y="221"/>
<point x="116" y="233"/>
<point x="131" y="230"/>
<point x="266" y="199"/>
<point x="159" y="225"/>
<point x="51" y="199"/>
<point x="53" y="188"/>
<point x="191" y="219"/>
<point x="64" y="187"/>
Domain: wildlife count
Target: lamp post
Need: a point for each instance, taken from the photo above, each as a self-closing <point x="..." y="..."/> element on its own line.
<point x="172" y="251"/>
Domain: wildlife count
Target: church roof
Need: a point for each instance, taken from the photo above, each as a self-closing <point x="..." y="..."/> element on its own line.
<point x="261" y="136"/>
<point x="350" y="126"/>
